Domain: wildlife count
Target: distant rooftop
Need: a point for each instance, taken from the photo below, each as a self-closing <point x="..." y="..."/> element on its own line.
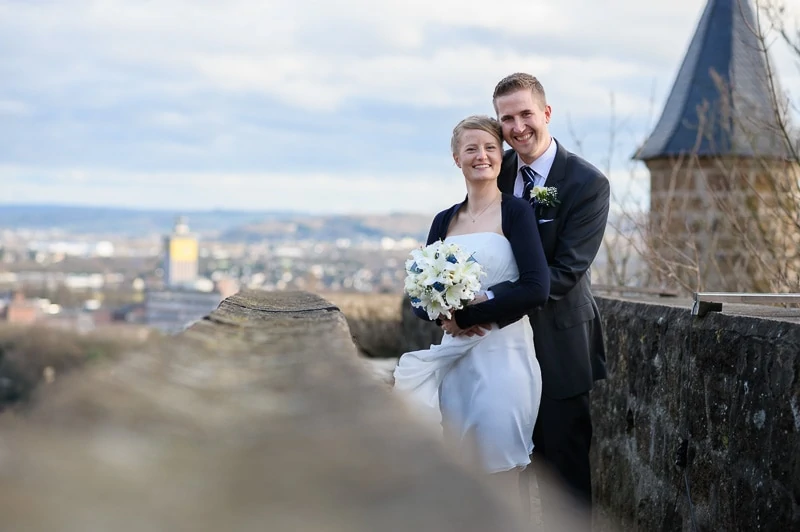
<point x="181" y="226"/>
<point x="722" y="83"/>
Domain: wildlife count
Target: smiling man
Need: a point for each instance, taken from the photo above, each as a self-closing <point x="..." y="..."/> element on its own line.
<point x="567" y="330"/>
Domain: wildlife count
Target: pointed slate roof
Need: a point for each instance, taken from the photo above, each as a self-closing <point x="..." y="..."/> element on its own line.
<point x="720" y="103"/>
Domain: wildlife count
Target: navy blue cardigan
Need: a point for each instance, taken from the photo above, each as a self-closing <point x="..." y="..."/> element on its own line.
<point x="520" y="228"/>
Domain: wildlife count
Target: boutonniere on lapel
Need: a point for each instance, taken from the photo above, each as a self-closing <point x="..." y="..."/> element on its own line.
<point x="544" y="197"/>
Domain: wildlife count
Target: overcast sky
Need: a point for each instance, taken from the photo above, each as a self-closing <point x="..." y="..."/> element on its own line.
<point x="286" y="104"/>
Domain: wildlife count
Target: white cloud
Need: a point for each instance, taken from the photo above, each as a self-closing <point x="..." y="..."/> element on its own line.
<point x="322" y="55"/>
<point x="299" y="51"/>
<point x="169" y="119"/>
<point x="247" y="100"/>
<point x="14" y="108"/>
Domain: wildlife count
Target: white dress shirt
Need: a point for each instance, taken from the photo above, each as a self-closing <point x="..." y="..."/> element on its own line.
<point x="541" y="166"/>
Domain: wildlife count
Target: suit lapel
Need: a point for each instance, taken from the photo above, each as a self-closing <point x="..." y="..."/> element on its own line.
<point x="559" y="169"/>
<point x="555" y="178"/>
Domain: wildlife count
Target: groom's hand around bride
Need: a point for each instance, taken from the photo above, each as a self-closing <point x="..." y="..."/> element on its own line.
<point x="451" y="327"/>
<point x="480" y="330"/>
<point x="476" y="329"/>
<point x="479" y="298"/>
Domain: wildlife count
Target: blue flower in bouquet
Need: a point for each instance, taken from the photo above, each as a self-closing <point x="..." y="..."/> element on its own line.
<point x="441" y="278"/>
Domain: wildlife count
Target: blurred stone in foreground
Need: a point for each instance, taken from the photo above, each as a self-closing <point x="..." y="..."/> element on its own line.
<point x="260" y="417"/>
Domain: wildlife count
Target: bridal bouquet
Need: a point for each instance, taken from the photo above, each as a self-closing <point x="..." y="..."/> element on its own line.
<point x="441" y="278"/>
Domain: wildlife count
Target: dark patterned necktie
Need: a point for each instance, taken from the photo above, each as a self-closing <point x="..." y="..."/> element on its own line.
<point x="528" y="180"/>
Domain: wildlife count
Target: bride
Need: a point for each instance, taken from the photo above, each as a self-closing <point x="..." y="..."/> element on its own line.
<point x="485" y="387"/>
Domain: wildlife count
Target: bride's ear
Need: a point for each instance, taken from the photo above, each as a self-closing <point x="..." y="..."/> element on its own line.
<point x="455" y="159"/>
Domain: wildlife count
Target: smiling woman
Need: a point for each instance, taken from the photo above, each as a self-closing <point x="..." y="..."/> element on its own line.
<point x="482" y="381"/>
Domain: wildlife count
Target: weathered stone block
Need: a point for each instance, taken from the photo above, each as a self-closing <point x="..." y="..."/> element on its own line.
<point x="259" y="417"/>
<point x="729" y="384"/>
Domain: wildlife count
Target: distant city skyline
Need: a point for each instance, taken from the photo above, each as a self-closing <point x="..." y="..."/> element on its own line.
<point x="302" y="106"/>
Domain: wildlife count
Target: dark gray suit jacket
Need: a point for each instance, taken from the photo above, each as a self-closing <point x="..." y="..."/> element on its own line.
<point x="567" y="331"/>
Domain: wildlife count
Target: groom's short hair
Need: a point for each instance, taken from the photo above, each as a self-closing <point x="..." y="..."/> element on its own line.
<point x="519" y="81"/>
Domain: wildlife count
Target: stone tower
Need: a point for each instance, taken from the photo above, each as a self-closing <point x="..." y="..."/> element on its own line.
<point x="723" y="178"/>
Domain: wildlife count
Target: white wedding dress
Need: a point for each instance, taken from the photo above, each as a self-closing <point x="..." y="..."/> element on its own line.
<point x="485" y="390"/>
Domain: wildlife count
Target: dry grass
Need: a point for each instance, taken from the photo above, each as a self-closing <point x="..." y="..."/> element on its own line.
<point x="32" y="355"/>
<point x="374" y="320"/>
<point x="383" y="325"/>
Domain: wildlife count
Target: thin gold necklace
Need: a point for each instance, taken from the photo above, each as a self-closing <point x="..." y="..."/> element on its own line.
<point x="473" y="218"/>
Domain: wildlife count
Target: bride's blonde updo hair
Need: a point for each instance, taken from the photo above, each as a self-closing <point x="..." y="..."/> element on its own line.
<point x="482" y="122"/>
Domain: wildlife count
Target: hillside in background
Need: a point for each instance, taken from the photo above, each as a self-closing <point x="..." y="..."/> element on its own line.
<point x="331" y="228"/>
<point x="242" y="226"/>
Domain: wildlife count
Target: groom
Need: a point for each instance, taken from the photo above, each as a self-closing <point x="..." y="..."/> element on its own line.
<point x="567" y="330"/>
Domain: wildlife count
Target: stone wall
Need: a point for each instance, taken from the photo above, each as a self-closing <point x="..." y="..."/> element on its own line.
<point x="260" y="417"/>
<point x="727" y="387"/>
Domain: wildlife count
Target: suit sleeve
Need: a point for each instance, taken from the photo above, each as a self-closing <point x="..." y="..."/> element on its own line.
<point x="533" y="285"/>
<point x="579" y="240"/>
<point x="581" y="236"/>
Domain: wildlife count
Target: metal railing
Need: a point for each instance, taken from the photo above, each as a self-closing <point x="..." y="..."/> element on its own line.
<point x="705" y="302"/>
